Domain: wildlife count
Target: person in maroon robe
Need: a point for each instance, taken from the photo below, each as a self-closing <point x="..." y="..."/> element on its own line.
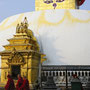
<point x="25" y="85"/>
<point x="10" y="83"/>
<point x="19" y="82"/>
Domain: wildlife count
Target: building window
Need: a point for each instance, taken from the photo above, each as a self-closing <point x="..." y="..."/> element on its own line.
<point x="53" y="73"/>
<point x="57" y="73"/>
<point x="46" y="73"/>
<point x="60" y="73"/>
<point x="50" y="73"/>
<point x="72" y="73"/>
<point x="82" y="73"/>
<point x="63" y="73"/>
<point x="85" y="73"/>
<point x="78" y="73"/>
<point x="68" y="73"/>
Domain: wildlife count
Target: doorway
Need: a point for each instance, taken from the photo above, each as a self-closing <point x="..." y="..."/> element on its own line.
<point x="15" y="70"/>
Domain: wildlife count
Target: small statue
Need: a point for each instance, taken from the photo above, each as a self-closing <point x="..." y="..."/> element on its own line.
<point x="22" y="27"/>
<point x="26" y="25"/>
<point x="17" y="28"/>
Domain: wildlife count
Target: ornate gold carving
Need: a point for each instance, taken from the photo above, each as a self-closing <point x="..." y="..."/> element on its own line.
<point x="17" y="28"/>
<point x="16" y="58"/>
<point x="23" y="28"/>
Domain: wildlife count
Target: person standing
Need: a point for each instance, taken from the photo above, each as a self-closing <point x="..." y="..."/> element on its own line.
<point x="19" y="82"/>
<point x="10" y="83"/>
<point x="25" y="85"/>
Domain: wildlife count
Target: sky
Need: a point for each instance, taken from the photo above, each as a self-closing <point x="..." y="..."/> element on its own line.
<point x="13" y="7"/>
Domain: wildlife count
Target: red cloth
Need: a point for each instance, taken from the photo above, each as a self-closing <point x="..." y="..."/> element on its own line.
<point x="10" y="84"/>
<point x="19" y="83"/>
<point x="25" y="85"/>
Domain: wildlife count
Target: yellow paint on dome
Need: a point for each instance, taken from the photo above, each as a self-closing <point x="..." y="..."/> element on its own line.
<point x="49" y="4"/>
<point x="67" y="15"/>
<point x="39" y="22"/>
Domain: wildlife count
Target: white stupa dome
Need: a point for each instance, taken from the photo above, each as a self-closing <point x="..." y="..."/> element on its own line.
<point x="63" y="35"/>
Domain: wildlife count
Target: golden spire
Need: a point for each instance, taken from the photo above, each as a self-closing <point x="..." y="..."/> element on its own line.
<point x="25" y="20"/>
<point x="22" y="27"/>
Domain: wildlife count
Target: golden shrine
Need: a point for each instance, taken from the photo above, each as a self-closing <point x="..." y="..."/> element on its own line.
<point x="22" y="55"/>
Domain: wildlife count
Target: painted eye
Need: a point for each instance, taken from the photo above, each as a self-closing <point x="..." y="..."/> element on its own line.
<point x="48" y="1"/>
<point x="59" y="0"/>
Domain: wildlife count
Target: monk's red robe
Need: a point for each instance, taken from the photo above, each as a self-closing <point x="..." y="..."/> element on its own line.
<point x="19" y="83"/>
<point x="25" y="85"/>
<point x="10" y="84"/>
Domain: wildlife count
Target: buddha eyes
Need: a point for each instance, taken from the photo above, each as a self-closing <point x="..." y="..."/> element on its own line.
<point x="48" y="1"/>
<point x="51" y="1"/>
<point x="59" y="0"/>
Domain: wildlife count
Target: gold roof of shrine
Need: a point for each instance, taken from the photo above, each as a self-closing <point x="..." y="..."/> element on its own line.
<point x="23" y="42"/>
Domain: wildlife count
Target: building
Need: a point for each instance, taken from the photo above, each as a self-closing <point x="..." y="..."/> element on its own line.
<point x="63" y="36"/>
<point x="63" y="74"/>
<point x="22" y="55"/>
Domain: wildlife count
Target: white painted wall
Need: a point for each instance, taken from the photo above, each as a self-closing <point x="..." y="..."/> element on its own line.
<point x="63" y="35"/>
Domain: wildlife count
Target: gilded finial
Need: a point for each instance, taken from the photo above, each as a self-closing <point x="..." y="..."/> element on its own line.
<point x="17" y="28"/>
<point x="25" y="23"/>
<point x="25" y="20"/>
<point x="23" y="27"/>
